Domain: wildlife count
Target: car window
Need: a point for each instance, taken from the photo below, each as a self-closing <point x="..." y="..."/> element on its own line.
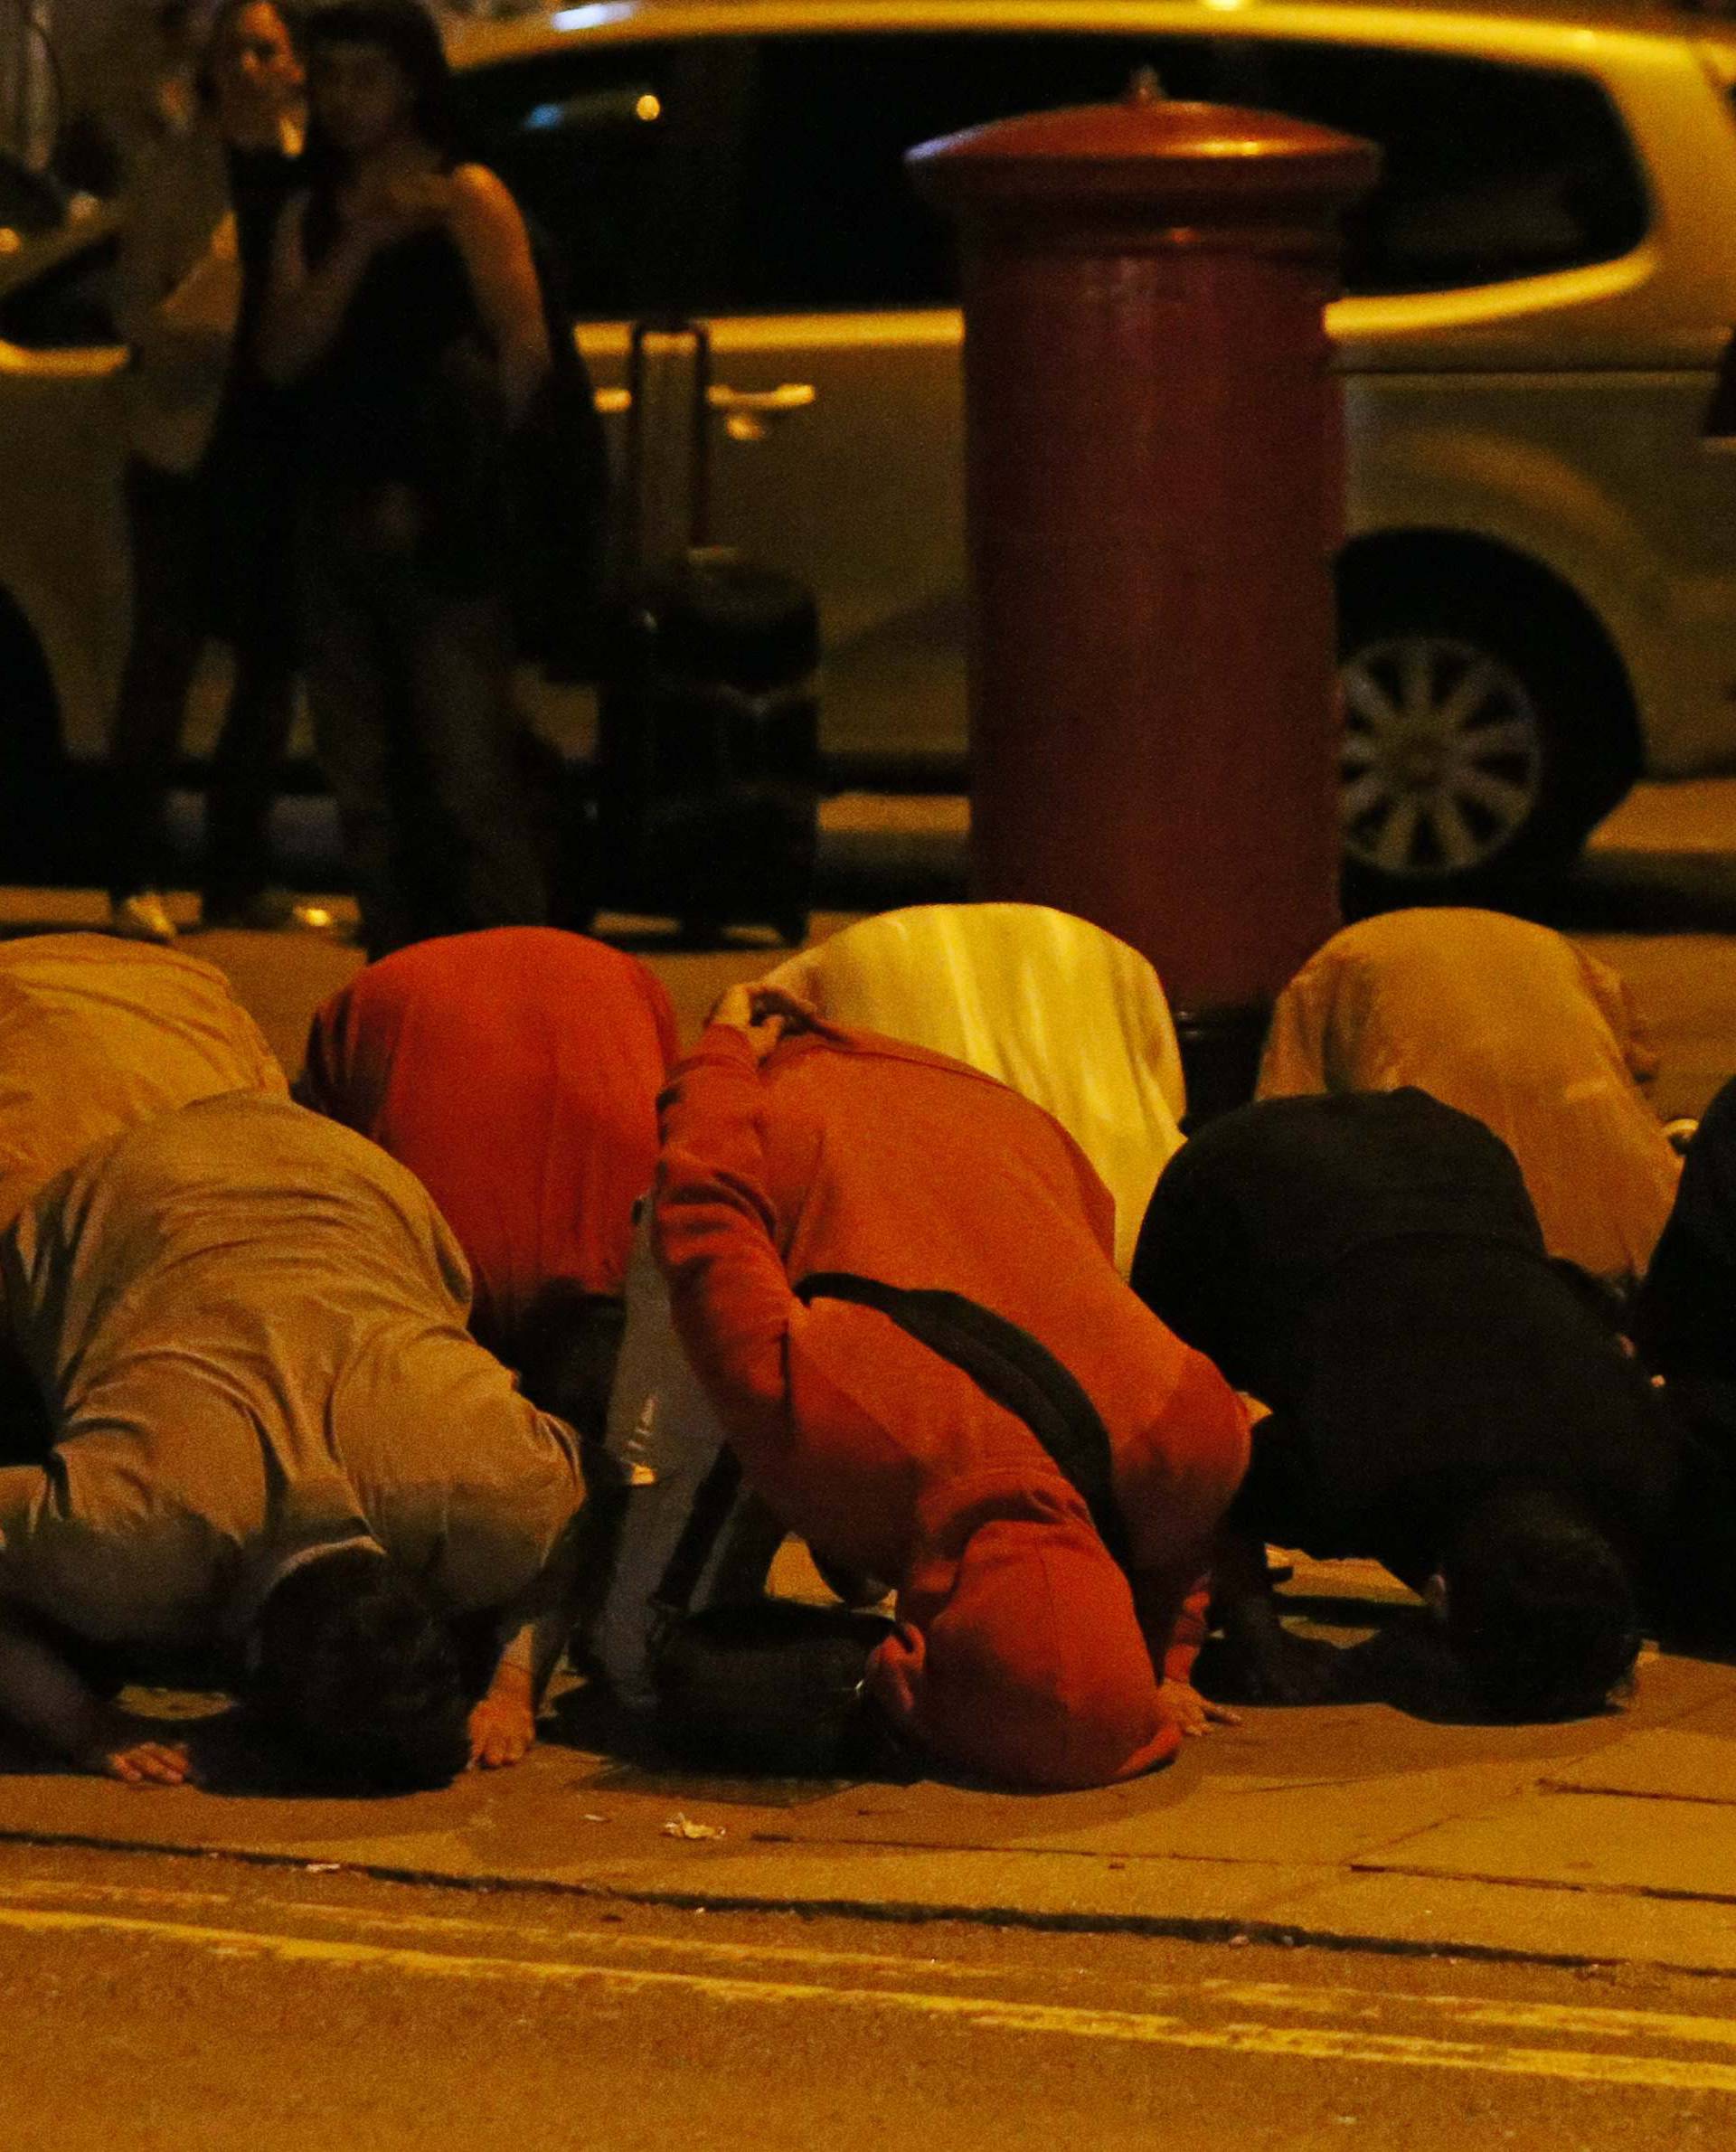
<point x="827" y="218"/>
<point x="68" y="307"/>
<point x="607" y="152"/>
<point x="1488" y="171"/>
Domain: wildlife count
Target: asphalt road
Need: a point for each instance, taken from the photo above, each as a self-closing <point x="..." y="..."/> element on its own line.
<point x="192" y="2004"/>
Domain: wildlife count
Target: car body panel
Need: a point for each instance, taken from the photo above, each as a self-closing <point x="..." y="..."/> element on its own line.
<point x="1559" y="415"/>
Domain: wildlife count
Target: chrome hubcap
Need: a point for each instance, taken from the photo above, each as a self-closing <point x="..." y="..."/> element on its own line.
<point x="1442" y="755"/>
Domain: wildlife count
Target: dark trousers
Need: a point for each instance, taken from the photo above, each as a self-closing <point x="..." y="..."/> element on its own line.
<point x="1684" y="1316"/>
<point x="168" y="530"/>
<point x="409" y="684"/>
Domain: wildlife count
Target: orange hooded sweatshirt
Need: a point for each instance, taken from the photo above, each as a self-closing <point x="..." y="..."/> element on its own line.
<point x="515" y="1072"/>
<point x="1023" y="1650"/>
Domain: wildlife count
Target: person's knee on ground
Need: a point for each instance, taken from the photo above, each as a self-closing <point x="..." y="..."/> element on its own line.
<point x="357" y="1666"/>
<point x="1539" y="1608"/>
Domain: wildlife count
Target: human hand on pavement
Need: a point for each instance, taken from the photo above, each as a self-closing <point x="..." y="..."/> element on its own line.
<point x="1192" y="1713"/>
<point x="134" y="1752"/>
<point x="502" y="1727"/>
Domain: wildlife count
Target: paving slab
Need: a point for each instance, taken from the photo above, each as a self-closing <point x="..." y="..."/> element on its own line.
<point x="1309" y="1825"/>
<point x="1672" y="1763"/>
<point x="1581" y="1841"/>
<point x="1447" y="1914"/>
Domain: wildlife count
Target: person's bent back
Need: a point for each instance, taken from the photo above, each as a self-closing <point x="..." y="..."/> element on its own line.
<point x="515" y="1073"/>
<point x="1069" y="1016"/>
<point x="97" y="1035"/>
<point x="894" y="1277"/>
<point x="1511" y="1024"/>
<point x="1443" y="1399"/>
<point x="249" y="1326"/>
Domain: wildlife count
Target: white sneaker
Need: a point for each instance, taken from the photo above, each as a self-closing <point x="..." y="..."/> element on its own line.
<point x="140" y="918"/>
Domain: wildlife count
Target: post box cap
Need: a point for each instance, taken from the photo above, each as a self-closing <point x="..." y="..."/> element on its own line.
<point x="1146" y="152"/>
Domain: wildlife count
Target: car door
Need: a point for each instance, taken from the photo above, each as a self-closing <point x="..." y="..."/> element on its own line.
<point x="62" y="550"/>
<point x="758" y="181"/>
<point x="837" y="276"/>
<point x="608" y="147"/>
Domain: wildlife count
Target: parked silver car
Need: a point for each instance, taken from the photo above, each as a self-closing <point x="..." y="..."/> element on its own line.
<point x="1538" y="597"/>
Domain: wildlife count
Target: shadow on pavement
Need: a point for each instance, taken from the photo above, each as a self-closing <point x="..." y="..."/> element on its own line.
<point x="1641" y="892"/>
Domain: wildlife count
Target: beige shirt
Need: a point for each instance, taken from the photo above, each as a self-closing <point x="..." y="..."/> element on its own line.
<point x="1511" y="1024"/>
<point x="97" y="1035"/>
<point x="251" y="1325"/>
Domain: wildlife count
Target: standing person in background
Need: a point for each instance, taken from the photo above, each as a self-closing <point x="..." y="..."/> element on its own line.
<point x="131" y="87"/>
<point x="406" y="313"/>
<point x="205" y="490"/>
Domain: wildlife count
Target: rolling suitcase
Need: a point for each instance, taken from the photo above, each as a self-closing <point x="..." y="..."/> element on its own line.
<point x="707" y="750"/>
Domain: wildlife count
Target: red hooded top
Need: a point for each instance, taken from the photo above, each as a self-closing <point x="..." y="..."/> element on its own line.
<point x="1023" y="1651"/>
<point x="515" y="1072"/>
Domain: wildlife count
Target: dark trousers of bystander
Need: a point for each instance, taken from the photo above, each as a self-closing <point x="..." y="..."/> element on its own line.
<point x="409" y="684"/>
<point x="169" y="533"/>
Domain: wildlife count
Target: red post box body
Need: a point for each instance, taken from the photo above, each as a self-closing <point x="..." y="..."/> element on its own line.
<point x="1154" y="471"/>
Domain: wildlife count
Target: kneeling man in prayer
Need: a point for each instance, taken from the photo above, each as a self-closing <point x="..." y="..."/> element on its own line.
<point x="271" y="1432"/>
<point x="895" y="1279"/>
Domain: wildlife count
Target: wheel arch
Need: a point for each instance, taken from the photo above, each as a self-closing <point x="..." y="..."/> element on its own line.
<point x="1383" y="565"/>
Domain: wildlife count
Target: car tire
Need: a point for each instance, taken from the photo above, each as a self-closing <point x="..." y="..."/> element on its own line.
<point x="1483" y="739"/>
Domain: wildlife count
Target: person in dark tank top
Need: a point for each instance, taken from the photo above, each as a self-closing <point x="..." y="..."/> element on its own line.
<point x="406" y="321"/>
<point x="205" y="488"/>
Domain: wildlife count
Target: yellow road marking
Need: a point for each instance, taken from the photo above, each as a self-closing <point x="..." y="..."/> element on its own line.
<point x="1316" y="2043"/>
<point x="1589" y="2020"/>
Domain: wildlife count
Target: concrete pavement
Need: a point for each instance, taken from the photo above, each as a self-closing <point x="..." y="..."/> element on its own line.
<point x="1362" y="1825"/>
<point x="1611" y="1840"/>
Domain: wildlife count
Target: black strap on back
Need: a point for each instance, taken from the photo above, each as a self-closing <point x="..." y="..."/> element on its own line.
<point x="1008" y="1366"/>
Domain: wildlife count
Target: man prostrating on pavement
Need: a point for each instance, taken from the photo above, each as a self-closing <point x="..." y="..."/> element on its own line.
<point x="894" y="1277"/>
<point x="272" y="1438"/>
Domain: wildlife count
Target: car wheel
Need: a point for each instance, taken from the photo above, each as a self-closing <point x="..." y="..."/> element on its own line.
<point x="1474" y="756"/>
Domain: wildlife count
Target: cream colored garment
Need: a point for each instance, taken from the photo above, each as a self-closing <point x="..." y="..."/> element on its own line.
<point x="1513" y="1025"/>
<point x="250" y="1323"/>
<point x="98" y="1033"/>
<point x="1061" y="1011"/>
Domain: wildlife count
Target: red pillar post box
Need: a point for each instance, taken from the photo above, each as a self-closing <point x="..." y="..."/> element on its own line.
<point x="1154" y="476"/>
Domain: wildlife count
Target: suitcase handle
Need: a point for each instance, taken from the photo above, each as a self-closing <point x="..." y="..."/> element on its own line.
<point x="672" y="328"/>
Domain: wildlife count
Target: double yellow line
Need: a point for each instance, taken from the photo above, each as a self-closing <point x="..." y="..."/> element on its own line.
<point x="1226" y="2017"/>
